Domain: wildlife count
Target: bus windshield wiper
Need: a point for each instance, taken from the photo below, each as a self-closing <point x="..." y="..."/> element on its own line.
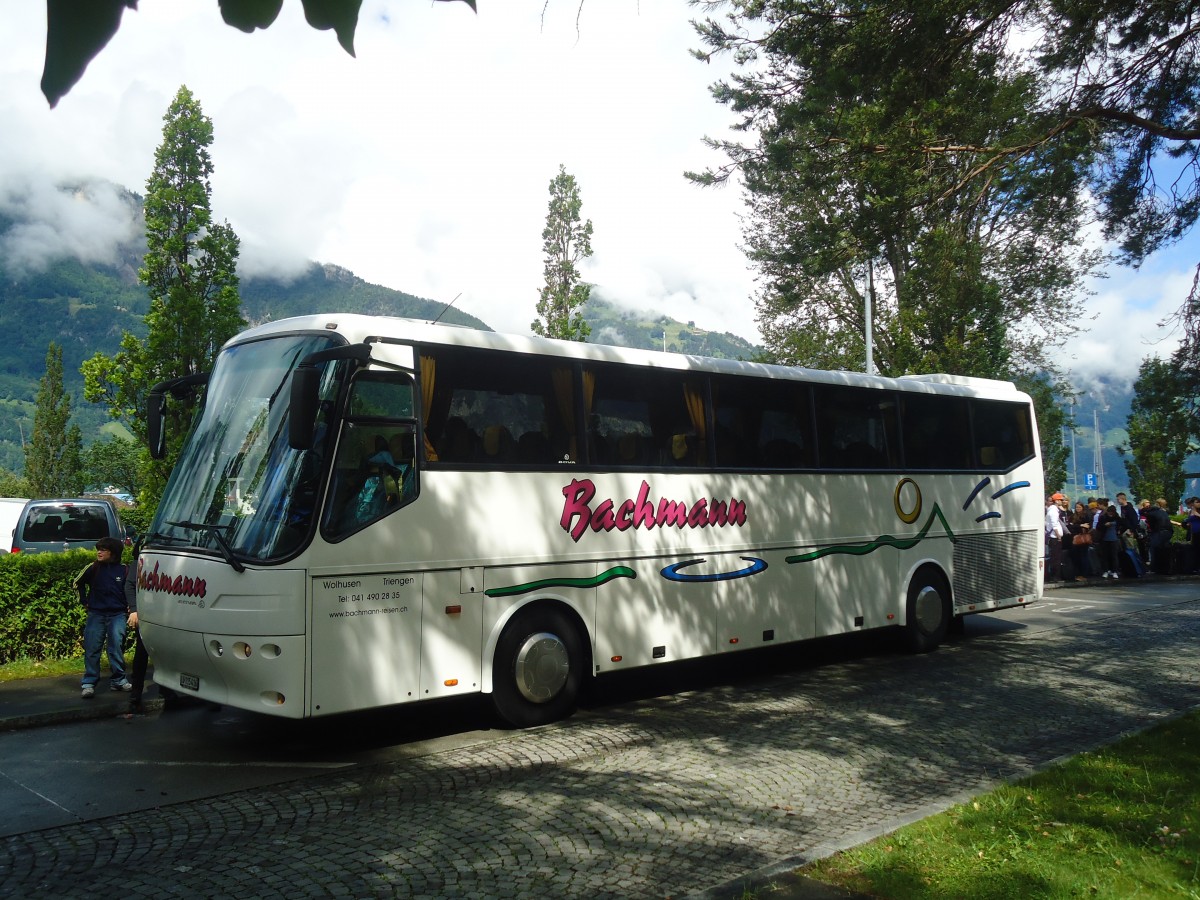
<point x="218" y="539"/>
<point x="158" y="535"/>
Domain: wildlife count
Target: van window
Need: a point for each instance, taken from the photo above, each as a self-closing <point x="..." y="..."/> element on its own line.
<point x="52" y="525"/>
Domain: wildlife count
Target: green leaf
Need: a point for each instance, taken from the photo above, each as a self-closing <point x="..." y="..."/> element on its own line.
<point x="247" y="15"/>
<point x="75" y="32"/>
<point x="340" y="15"/>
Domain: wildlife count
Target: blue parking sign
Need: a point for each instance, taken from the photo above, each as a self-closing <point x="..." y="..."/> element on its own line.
<point x="1090" y="481"/>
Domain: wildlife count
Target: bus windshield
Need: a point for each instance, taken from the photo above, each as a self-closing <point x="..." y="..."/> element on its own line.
<point x="238" y="489"/>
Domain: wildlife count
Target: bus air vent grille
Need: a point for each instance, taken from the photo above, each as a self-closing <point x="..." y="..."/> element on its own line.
<point x="983" y="569"/>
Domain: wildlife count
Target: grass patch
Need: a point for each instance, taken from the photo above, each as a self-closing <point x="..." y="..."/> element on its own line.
<point x="20" y="669"/>
<point x="1119" y="822"/>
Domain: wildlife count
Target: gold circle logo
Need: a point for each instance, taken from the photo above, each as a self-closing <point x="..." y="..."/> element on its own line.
<point x="915" y="513"/>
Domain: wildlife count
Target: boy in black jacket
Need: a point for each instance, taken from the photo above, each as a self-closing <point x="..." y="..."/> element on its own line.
<point x="101" y="588"/>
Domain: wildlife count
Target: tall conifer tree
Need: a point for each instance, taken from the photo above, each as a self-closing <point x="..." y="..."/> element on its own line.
<point x="53" y="459"/>
<point x="190" y="272"/>
<point x="566" y="241"/>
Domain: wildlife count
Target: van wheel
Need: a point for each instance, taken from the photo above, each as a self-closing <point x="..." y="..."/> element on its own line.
<point x="928" y="611"/>
<point x="538" y="668"/>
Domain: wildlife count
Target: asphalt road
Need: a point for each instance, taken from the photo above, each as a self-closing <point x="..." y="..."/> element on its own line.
<point x="668" y="783"/>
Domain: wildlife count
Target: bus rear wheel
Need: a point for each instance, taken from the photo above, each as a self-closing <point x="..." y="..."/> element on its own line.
<point x="538" y="668"/>
<point x="928" y="611"/>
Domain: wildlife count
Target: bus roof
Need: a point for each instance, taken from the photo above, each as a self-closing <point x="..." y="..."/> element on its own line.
<point x="357" y="328"/>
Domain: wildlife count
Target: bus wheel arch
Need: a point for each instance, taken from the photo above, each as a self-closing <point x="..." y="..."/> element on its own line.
<point x="540" y="663"/>
<point x="928" y="609"/>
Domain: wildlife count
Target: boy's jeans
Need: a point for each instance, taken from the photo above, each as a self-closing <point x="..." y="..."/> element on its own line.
<point x="102" y="628"/>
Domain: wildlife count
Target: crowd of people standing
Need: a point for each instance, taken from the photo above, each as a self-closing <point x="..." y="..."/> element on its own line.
<point x="1099" y="539"/>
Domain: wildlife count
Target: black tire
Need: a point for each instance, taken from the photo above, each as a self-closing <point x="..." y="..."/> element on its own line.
<point x="538" y="668"/>
<point x="928" y="612"/>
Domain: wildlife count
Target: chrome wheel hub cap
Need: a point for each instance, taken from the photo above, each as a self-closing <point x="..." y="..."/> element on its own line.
<point x="928" y="609"/>
<point x="542" y="667"/>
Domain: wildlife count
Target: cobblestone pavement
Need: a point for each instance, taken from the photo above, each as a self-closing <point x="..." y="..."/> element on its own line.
<point x="662" y="798"/>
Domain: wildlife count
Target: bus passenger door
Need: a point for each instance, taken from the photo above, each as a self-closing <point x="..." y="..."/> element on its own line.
<point x="453" y="632"/>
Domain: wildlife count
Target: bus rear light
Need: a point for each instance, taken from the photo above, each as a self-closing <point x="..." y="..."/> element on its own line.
<point x="272" y="698"/>
<point x="616" y="659"/>
<point x="216" y="648"/>
<point x="454" y="610"/>
<point x="891" y="616"/>
<point x="733" y="640"/>
<point x="242" y="650"/>
<point x="270" y="651"/>
<point x="451" y="682"/>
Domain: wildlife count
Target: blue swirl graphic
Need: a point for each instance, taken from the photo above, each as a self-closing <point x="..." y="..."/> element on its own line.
<point x="1011" y="487"/>
<point x="672" y="573"/>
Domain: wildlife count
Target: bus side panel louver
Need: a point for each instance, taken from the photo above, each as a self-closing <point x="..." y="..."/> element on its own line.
<point x="983" y="571"/>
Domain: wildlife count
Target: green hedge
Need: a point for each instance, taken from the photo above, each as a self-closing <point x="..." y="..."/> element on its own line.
<point x="40" y="614"/>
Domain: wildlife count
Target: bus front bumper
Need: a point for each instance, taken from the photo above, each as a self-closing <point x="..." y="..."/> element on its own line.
<point x="256" y="673"/>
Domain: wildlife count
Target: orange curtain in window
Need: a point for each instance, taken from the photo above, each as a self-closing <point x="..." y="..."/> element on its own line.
<point x="694" y="401"/>
<point x="428" y="376"/>
<point x="560" y="377"/>
<point x="589" y="392"/>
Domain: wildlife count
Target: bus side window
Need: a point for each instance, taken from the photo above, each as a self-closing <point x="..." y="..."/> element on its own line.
<point x="373" y="469"/>
<point x="762" y="423"/>
<point x="935" y="432"/>
<point x="1002" y="433"/>
<point x="857" y="428"/>
<point x="482" y="400"/>
<point x="645" y="418"/>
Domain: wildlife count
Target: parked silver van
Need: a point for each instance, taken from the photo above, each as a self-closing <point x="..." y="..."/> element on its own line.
<point x="52" y="526"/>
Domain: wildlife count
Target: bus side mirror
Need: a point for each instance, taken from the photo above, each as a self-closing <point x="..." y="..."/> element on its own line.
<point x="306" y="385"/>
<point x="155" y="439"/>
<point x="302" y="417"/>
<point x="156" y="405"/>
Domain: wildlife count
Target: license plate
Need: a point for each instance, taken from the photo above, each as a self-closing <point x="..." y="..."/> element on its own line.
<point x="191" y="682"/>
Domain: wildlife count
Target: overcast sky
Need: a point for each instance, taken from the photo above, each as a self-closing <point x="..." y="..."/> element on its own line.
<point x="424" y="163"/>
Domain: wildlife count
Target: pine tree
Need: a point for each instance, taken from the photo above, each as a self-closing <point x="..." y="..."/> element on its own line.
<point x="190" y="271"/>
<point x="53" y="457"/>
<point x="566" y="241"/>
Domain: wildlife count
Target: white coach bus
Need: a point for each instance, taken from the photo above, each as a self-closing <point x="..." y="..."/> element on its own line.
<point x="372" y="511"/>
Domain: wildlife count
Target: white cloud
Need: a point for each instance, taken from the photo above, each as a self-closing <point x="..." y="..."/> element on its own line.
<point x="1132" y="312"/>
<point x="92" y="223"/>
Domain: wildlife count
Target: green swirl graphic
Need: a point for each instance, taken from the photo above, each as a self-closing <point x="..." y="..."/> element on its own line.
<point x="603" y="578"/>
<point x="884" y="540"/>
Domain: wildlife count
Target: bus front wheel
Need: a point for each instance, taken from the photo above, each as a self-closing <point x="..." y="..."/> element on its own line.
<point x="928" y="611"/>
<point x="538" y="668"/>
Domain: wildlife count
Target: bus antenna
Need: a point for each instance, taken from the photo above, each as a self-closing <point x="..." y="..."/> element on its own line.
<point x="447" y="309"/>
